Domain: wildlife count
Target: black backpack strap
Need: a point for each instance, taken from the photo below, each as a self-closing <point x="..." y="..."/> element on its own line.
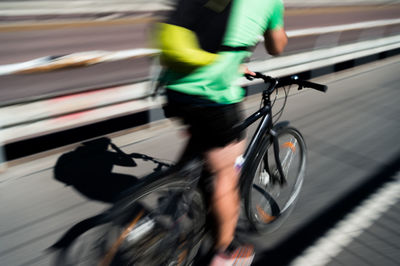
<point x="217" y="5"/>
<point x="225" y="48"/>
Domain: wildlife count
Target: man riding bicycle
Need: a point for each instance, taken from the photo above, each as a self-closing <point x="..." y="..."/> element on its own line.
<point x="203" y="44"/>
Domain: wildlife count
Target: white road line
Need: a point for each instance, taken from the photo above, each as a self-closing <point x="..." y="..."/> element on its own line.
<point x="74" y="59"/>
<point x="353" y="225"/>
<point x="29" y="8"/>
<point x="346" y="27"/>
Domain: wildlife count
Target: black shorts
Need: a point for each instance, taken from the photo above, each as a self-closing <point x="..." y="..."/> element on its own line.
<point x="210" y="124"/>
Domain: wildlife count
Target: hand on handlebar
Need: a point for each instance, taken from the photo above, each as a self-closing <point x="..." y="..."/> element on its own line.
<point x="246" y="71"/>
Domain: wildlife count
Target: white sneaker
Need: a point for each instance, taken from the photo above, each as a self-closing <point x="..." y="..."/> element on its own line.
<point x="242" y="255"/>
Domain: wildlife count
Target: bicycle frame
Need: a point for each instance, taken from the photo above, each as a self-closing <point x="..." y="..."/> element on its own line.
<point x="265" y="127"/>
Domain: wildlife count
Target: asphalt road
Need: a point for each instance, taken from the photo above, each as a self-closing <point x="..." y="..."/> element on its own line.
<point x="351" y="131"/>
<point x="18" y="45"/>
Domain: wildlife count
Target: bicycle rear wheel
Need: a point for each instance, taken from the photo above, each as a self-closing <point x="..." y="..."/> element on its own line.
<point x="267" y="202"/>
<point x="163" y="226"/>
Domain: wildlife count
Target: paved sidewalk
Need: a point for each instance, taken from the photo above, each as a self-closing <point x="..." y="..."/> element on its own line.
<point x="368" y="236"/>
<point x="379" y="245"/>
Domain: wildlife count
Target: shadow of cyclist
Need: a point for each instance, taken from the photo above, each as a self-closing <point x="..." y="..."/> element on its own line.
<point x="88" y="169"/>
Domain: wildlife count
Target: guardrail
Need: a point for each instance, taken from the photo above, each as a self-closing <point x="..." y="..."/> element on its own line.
<point x="22" y="121"/>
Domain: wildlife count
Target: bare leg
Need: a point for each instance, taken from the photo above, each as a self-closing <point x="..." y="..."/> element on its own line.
<point x="225" y="201"/>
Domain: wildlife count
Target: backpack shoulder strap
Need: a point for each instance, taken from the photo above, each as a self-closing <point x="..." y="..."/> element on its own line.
<point x="217" y="5"/>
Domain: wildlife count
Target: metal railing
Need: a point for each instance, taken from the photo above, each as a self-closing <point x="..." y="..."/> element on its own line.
<point x="26" y="120"/>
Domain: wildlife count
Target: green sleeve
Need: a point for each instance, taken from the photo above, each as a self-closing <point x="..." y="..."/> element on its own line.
<point x="276" y="20"/>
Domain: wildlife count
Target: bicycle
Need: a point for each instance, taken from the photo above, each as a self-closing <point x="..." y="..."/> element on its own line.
<point x="165" y="213"/>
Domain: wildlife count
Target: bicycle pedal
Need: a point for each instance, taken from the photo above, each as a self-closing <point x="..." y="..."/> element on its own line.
<point x="143" y="227"/>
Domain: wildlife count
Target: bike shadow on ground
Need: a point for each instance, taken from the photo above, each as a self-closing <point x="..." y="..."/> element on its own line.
<point x="88" y="169"/>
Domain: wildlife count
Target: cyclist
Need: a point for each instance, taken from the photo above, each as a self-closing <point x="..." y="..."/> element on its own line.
<point x="203" y="44"/>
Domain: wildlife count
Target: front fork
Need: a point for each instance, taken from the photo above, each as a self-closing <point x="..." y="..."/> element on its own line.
<point x="281" y="179"/>
<point x="275" y="142"/>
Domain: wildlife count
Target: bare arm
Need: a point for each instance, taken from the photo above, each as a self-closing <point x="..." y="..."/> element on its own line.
<point x="275" y="41"/>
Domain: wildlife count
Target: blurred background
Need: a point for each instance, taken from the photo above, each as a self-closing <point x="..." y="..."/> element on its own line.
<point x="78" y="70"/>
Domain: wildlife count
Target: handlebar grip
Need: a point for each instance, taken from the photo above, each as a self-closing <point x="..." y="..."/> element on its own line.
<point x="249" y="77"/>
<point x="258" y="75"/>
<point x="312" y="85"/>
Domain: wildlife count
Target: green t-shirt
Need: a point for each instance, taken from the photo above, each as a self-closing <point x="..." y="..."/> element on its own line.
<point x="217" y="81"/>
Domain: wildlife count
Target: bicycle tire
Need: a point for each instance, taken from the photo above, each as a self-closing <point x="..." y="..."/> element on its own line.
<point x="267" y="202"/>
<point x="160" y="243"/>
<point x="107" y="243"/>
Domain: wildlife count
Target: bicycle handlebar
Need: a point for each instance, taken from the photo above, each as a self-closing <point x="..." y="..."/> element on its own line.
<point x="292" y="80"/>
<point x="312" y="85"/>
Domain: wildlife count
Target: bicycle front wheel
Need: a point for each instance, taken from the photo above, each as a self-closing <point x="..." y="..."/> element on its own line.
<point x="268" y="203"/>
